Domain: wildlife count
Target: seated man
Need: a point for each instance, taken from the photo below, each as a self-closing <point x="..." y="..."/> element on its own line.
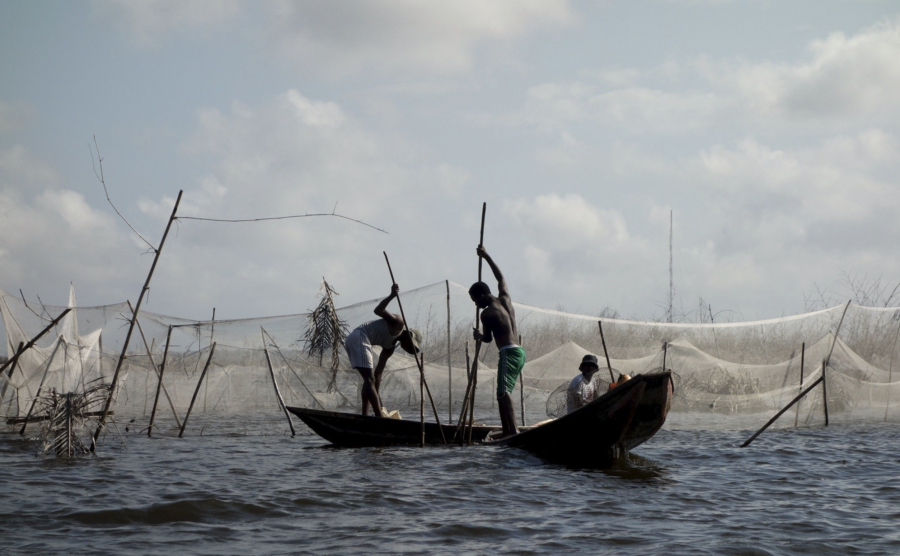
<point x="385" y="332"/>
<point x="581" y="391"/>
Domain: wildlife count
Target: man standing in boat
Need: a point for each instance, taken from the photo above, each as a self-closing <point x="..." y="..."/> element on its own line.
<point x="385" y="332"/>
<point x="581" y="390"/>
<point x="499" y="320"/>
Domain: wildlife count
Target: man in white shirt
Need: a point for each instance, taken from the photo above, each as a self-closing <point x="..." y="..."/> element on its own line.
<point x="581" y="391"/>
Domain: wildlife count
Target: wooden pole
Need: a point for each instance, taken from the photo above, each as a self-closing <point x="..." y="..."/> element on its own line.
<point x="422" y="401"/>
<point x="522" y="387"/>
<point x="13" y="369"/>
<point x="212" y="330"/>
<point x="887" y="404"/>
<point x="26" y="347"/>
<point x="41" y="386"/>
<point x="140" y="301"/>
<point x="473" y="377"/>
<point x="780" y="413"/>
<point x="421" y="364"/>
<point x="449" y="367"/>
<point x="665" y="353"/>
<point x="825" y="391"/>
<point x="469" y="397"/>
<point x="802" y="361"/>
<point x="606" y="354"/>
<point x="275" y="384"/>
<point x="152" y="362"/>
<point x="212" y="350"/>
<point x="159" y="386"/>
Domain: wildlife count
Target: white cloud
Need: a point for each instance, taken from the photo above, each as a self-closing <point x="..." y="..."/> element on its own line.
<point x="148" y="21"/>
<point x="434" y="37"/>
<point x="853" y="79"/>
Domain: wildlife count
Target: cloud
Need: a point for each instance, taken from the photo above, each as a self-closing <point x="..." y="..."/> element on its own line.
<point x="437" y="38"/>
<point x="852" y="79"/>
<point x="149" y="21"/>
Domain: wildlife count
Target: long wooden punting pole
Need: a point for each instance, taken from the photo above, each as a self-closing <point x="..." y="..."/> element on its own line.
<point x="605" y="353"/>
<point x="473" y="378"/>
<point x="43" y="378"/>
<point x="22" y="349"/>
<point x="159" y="386"/>
<point x="212" y="350"/>
<point x="421" y="364"/>
<point x="825" y="392"/>
<point x="152" y="362"/>
<point x="522" y="387"/>
<point x="449" y="368"/>
<point x="802" y="361"/>
<point x="780" y="413"/>
<point x="275" y="384"/>
<point x="137" y="308"/>
<point x="465" y="404"/>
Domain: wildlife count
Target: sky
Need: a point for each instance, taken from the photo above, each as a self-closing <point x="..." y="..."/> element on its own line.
<point x="769" y="129"/>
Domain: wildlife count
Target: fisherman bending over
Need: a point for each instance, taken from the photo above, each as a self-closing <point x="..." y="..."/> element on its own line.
<point x="385" y="332"/>
<point x="581" y="390"/>
<point x="499" y="320"/>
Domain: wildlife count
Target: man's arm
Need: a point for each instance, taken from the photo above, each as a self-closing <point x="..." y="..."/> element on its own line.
<point x="382" y="360"/>
<point x="394" y="321"/>
<point x="501" y="281"/>
<point x="485" y="336"/>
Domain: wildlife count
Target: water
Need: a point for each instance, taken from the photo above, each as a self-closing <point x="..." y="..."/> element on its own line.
<point x="232" y="491"/>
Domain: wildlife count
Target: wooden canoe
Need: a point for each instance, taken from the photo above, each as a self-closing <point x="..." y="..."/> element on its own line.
<point x="354" y="430"/>
<point x="602" y="430"/>
<point x="614" y="423"/>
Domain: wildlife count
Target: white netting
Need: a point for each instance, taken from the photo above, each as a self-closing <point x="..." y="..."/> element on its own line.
<point x="731" y="374"/>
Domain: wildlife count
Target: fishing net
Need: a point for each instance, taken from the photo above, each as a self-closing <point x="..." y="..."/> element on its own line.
<point x="734" y="375"/>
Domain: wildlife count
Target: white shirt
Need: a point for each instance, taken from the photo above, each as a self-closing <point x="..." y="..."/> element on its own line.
<point x="579" y="393"/>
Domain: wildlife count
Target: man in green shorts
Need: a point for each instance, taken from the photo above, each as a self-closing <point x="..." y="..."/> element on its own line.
<point x="499" y="319"/>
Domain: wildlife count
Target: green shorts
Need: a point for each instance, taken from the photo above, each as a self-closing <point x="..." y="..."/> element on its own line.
<point x="512" y="359"/>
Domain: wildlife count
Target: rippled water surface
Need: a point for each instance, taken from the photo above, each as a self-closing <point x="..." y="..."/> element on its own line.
<point x="833" y="490"/>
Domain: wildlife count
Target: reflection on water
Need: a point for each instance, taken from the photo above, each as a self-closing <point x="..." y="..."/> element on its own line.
<point x="247" y="487"/>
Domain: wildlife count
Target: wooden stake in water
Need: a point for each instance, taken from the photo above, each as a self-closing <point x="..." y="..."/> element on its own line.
<point x="522" y="387"/>
<point x="605" y="353"/>
<point x="41" y="386"/>
<point x="802" y="361"/>
<point x="275" y="384"/>
<point x="137" y="309"/>
<point x="780" y="413"/>
<point x="212" y="350"/>
<point x="22" y="349"/>
<point x="421" y="364"/>
<point x="825" y="391"/>
<point x="449" y="368"/>
<point x="162" y="369"/>
<point x="153" y="363"/>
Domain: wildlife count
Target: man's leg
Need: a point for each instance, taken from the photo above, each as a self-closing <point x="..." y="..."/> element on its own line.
<point x="507" y="414"/>
<point x="369" y="394"/>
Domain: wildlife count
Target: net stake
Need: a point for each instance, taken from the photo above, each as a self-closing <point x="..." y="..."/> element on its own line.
<point x="605" y="353"/>
<point x="152" y="362"/>
<point x="212" y="350"/>
<point x="420" y="364"/>
<point x="275" y="384"/>
<point x="780" y="413"/>
<point x="26" y="347"/>
<point x="162" y="369"/>
<point x="137" y="308"/>
<point x="802" y="361"/>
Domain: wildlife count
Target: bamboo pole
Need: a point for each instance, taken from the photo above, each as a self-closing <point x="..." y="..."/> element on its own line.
<point x="152" y="362"/>
<point x="473" y="378"/>
<point x="665" y="353"/>
<point x="286" y="362"/>
<point x="825" y="392"/>
<point x="212" y="350"/>
<point x="887" y="404"/>
<point x="159" y="386"/>
<point x="606" y="354"/>
<point x="421" y="364"/>
<point x="9" y="374"/>
<point x="780" y="413"/>
<point x="422" y="400"/>
<point x="274" y="383"/>
<point x="33" y="341"/>
<point x="522" y="387"/>
<point x="140" y="301"/>
<point x="449" y="367"/>
<point x="41" y="386"/>
<point x="212" y="330"/>
<point x="468" y="399"/>
<point x="802" y="362"/>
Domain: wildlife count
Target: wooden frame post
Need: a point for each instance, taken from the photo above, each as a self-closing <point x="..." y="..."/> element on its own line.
<point x="137" y="308"/>
<point x="212" y="350"/>
<point x="275" y="384"/>
<point x="159" y="386"/>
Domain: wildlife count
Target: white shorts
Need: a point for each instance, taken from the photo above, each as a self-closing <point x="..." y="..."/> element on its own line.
<point x="359" y="350"/>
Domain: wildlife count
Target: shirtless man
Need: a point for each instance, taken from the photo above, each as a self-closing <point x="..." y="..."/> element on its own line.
<point x="499" y="320"/>
<point x="386" y="332"/>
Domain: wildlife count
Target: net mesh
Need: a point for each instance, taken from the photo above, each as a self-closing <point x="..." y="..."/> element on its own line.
<point x="733" y="375"/>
